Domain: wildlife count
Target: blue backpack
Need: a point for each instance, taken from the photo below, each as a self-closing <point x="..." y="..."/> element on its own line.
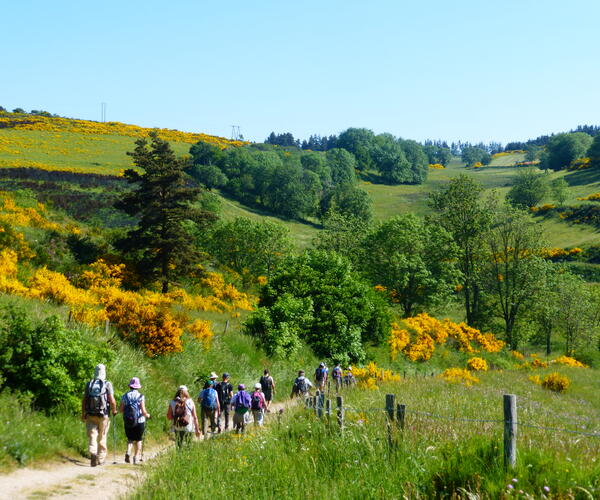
<point x="133" y="410"/>
<point x="209" y="399"/>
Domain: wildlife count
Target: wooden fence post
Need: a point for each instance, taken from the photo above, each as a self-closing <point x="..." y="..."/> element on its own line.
<point x="226" y="327"/>
<point x="106" y="327"/>
<point x="400" y="412"/>
<point x="390" y="400"/>
<point x="510" y="431"/>
<point x="328" y="408"/>
<point x="321" y="404"/>
<point x="340" y="411"/>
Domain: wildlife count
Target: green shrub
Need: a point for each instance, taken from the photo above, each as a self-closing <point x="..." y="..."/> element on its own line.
<point x="319" y="299"/>
<point x="44" y="360"/>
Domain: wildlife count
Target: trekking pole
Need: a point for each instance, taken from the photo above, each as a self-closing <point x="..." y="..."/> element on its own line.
<point x="114" y="439"/>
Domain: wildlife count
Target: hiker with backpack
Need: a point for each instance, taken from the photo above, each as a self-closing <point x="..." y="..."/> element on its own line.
<point x="349" y="380"/>
<point x="301" y="386"/>
<point x="258" y="405"/>
<point x="225" y="392"/>
<point x="336" y="374"/>
<point x="240" y="403"/>
<point x="268" y="388"/>
<point x="133" y="408"/>
<point x="182" y="412"/>
<point x="209" y="406"/>
<point x="97" y="404"/>
<point x="321" y="376"/>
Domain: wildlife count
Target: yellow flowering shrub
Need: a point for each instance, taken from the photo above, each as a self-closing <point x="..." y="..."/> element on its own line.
<point x="459" y="376"/>
<point x="201" y="330"/>
<point x="438" y="166"/>
<point x="556" y="382"/>
<point x="568" y="361"/>
<point x="590" y="197"/>
<point x="368" y="376"/>
<point x="517" y="355"/>
<point x="535" y="379"/>
<point x="8" y="274"/>
<point x="538" y="363"/>
<point x="417" y="340"/>
<point x="477" y="365"/>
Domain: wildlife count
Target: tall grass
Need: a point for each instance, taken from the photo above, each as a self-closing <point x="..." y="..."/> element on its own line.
<point x="303" y="457"/>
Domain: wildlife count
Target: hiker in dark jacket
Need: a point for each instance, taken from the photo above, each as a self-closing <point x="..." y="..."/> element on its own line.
<point x="97" y="404"/>
<point x="225" y="392"/>
<point x="268" y="388"/>
<point x="133" y="408"/>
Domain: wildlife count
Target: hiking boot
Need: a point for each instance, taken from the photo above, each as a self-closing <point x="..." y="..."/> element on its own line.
<point x="135" y="460"/>
<point x="127" y="458"/>
<point x="94" y="461"/>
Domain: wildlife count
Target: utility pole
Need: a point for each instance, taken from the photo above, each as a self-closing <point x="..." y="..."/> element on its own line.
<point x="235" y="133"/>
<point x="103" y="112"/>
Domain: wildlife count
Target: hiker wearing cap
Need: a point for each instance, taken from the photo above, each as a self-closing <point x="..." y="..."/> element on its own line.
<point x="182" y="412"/>
<point x="301" y="386"/>
<point x="97" y="404"/>
<point x="209" y="406"/>
<point x="225" y="392"/>
<point x="258" y="405"/>
<point x="133" y="408"/>
<point x="268" y="387"/>
<point x="240" y="403"/>
<point x="321" y="376"/>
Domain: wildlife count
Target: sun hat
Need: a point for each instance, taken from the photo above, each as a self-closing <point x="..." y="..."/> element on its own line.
<point x="258" y="386"/>
<point x="182" y="388"/>
<point x="213" y="376"/>
<point x="241" y="387"/>
<point x="134" y="383"/>
<point x="210" y="383"/>
<point x="100" y="372"/>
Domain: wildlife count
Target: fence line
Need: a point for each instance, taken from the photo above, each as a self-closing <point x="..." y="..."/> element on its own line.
<point x="396" y="412"/>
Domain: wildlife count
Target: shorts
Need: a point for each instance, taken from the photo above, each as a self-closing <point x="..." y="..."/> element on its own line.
<point x="135" y="433"/>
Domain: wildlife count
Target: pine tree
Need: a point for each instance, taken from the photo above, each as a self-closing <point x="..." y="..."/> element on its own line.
<point x="162" y="203"/>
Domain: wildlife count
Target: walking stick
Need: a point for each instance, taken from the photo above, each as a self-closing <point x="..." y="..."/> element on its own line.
<point x="114" y="440"/>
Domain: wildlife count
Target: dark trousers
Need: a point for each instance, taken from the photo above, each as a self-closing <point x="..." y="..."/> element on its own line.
<point x="210" y="415"/>
<point x="182" y="438"/>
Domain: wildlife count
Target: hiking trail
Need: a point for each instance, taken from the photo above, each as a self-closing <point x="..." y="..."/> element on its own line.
<point x="72" y="477"/>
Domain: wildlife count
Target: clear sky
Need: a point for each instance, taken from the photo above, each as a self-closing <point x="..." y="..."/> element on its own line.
<point x="463" y="69"/>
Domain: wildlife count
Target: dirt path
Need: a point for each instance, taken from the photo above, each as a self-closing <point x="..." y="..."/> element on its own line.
<point x="73" y="478"/>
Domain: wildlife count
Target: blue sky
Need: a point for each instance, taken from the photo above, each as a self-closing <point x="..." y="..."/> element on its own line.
<point x="470" y="70"/>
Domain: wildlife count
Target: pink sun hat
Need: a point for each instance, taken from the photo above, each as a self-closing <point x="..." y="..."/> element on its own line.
<point x="134" y="383"/>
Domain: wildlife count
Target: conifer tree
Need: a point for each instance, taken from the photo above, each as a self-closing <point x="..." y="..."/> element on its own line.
<point x="162" y="202"/>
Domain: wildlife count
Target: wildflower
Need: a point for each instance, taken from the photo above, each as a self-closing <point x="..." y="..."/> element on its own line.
<point x="546" y="489"/>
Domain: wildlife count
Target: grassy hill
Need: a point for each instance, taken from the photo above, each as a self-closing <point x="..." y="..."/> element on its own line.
<point x="80" y="146"/>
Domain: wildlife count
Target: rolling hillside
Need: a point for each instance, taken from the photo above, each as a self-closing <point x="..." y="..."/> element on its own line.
<point x="80" y="146"/>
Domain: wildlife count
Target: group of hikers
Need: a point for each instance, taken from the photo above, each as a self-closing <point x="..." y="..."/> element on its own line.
<point x="216" y="400"/>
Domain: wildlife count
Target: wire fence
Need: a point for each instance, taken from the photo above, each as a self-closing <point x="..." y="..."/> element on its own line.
<point x="397" y="412"/>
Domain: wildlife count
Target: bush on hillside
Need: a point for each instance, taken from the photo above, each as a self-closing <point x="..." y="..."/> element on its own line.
<point x="319" y="299"/>
<point x="44" y="360"/>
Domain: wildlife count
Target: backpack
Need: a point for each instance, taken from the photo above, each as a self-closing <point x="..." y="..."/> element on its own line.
<point x="337" y="372"/>
<point x="223" y="389"/>
<point x="256" y="401"/>
<point x="266" y="383"/>
<point x="300" y="386"/>
<point x="96" y="402"/>
<point x="320" y="373"/>
<point x="132" y="411"/>
<point x="181" y="413"/>
<point x="243" y="400"/>
<point x="209" y="399"/>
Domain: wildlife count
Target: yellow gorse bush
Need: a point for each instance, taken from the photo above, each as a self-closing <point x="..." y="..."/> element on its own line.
<point x="556" y="382"/>
<point x="477" y="365"/>
<point x="152" y="320"/>
<point x="421" y="333"/>
<point x="459" y="376"/>
<point x="590" y="197"/>
<point x="568" y="361"/>
<point x="436" y="166"/>
<point x="369" y="376"/>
